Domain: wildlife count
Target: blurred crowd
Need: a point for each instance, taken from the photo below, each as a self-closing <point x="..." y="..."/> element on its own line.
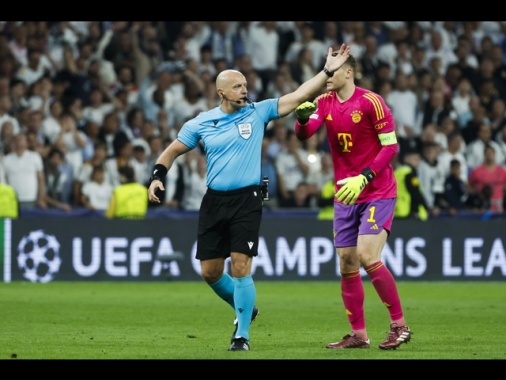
<point x="81" y="99"/>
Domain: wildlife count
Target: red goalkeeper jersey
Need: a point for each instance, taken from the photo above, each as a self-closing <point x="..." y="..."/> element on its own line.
<point x="354" y="128"/>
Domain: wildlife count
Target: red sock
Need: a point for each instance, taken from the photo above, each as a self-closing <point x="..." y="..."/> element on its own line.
<point x="352" y="292"/>
<point x="385" y="286"/>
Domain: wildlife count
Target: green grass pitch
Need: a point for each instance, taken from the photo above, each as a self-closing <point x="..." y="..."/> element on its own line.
<point x="186" y="320"/>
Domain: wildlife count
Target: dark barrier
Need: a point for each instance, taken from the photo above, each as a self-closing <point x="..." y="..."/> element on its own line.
<point x="290" y="249"/>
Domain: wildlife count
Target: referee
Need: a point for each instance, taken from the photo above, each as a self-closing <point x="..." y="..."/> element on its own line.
<point x="231" y="210"/>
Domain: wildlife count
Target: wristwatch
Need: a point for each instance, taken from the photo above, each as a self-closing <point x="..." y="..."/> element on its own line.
<point x="328" y="73"/>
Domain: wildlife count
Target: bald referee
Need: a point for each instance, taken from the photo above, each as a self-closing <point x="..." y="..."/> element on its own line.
<point x="231" y="210"/>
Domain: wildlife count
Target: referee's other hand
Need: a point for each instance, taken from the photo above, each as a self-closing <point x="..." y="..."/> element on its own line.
<point x="153" y="187"/>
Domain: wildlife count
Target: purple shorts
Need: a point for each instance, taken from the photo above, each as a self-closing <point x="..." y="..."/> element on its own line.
<point x="361" y="219"/>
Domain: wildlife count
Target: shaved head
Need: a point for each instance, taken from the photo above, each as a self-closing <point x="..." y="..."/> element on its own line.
<point x="227" y="77"/>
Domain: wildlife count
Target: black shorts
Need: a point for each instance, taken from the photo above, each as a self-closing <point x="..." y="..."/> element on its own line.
<point x="229" y="221"/>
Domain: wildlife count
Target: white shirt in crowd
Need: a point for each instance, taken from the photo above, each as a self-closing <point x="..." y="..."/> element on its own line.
<point x="21" y="173"/>
<point x="99" y="194"/>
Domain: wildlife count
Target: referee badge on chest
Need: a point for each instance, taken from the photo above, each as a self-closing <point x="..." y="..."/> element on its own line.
<point x="245" y="130"/>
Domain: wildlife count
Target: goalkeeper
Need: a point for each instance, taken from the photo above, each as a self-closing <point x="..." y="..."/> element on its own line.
<point x="361" y="135"/>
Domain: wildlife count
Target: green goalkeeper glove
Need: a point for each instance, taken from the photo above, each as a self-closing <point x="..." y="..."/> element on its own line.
<point x="353" y="186"/>
<point x="305" y="110"/>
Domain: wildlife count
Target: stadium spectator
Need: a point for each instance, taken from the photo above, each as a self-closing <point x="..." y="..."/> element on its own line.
<point x="283" y="82"/>
<point x="435" y="108"/>
<point x="497" y="55"/>
<point x="164" y="83"/>
<point x="110" y="133"/>
<point x="460" y="100"/>
<point x="224" y="42"/>
<point x="139" y="163"/>
<point x="455" y="190"/>
<point x="91" y="130"/>
<point x="18" y="91"/>
<point x="263" y="45"/>
<point x="403" y="60"/>
<point x="195" y="184"/>
<point x="486" y="72"/>
<point x="431" y="175"/>
<point x="370" y="59"/>
<point x="71" y="141"/>
<point x="318" y="179"/>
<point x="477" y="117"/>
<point x="196" y="33"/>
<point x="129" y="200"/>
<point x="436" y="48"/>
<point x="454" y="152"/>
<point x="497" y="116"/>
<point x="466" y="59"/>
<point x="475" y="149"/>
<point x="119" y="49"/>
<point x="357" y="42"/>
<point x="5" y="109"/>
<point x="411" y="203"/>
<point x="489" y="173"/>
<point x="488" y="94"/>
<point x="18" y="44"/>
<point x="96" y="193"/>
<point x="206" y="61"/>
<point x="501" y="140"/>
<point x="24" y="171"/>
<point x="255" y="86"/>
<point x="378" y="30"/>
<point x="404" y="105"/>
<point x="6" y="138"/>
<point x="432" y="134"/>
<point x="148" y="54"/>
<point x="303" y="68"/>
<point x="418" y="61"/>
<point x="98" y="108"/>
<point x="292" y="167"/>
<point x="9" y="206"/>
<point x="3" y="178"/>
<point x="268" y="169"/>
<point x="449" y="31"/>
<point x="387" y="52"/>
<point x="59" y="180"/>
<point x="36" y="140"/>
<point x="85" y="175"/>
<point x="452" y="78"/>
<point x="123" y="149"/>
<point x="326" y="201"/>
<point x="147" y="130"/>
<point x="133" y="122"/>
<point x="51" y="127"/>
<point x="300" y="197"/>
<point x="192" y="103"/>
<point x="277" y="132"/>
<point x="38" y="65"/>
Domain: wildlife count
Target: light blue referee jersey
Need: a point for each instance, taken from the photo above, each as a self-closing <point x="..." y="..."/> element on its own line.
<point x="232" y="142"/>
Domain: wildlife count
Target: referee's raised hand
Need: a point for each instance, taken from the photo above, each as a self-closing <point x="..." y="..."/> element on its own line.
<point x="335" y="59"/>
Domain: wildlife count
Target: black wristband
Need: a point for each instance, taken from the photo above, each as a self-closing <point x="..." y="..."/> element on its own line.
<point x="303" y="122"/>
<point x="159" y="172"/>
<point x="368" y="173"/>
<point x="328" y="73"/>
